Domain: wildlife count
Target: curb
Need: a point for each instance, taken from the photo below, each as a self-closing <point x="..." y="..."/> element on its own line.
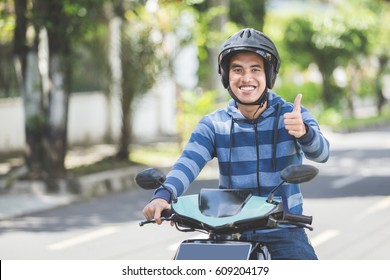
<point x="29" y="197"/>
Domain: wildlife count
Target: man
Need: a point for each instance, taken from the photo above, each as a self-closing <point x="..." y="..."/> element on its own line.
<point x="254" y="138"/>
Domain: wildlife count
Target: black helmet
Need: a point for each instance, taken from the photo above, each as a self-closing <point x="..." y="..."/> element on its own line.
<point x="251" y="40"/>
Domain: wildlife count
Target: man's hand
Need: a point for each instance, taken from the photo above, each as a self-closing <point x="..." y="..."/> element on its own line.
<point x="293" y="121"/>
<point x="154" y="208"/>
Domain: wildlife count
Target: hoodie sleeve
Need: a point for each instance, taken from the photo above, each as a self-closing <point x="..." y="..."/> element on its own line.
<point x="199" y="150"/>
<point x="314" y="144"/>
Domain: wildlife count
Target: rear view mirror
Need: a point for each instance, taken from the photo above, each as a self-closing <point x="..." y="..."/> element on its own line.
<point x="298" y="173"/>
<point x="294" y="174"/>
<point x="150" y="179"/>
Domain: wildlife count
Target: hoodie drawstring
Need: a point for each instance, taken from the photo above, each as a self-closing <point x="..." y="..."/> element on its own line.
<point x="231" y="138"/>
<point x="275" y="135"/>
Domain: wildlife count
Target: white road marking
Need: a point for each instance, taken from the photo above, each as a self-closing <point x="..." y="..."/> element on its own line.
<point x="83" y="238"/>
<point x="324" y="237"/>
<point x="381" y="205"/>
<point x="345" y="181"/>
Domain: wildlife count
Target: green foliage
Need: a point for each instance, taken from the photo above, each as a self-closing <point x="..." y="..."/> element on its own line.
<point x="209" y="36"/>
<point x="36" y="123"/>
<point x="164" y="153"/>
<point x="8" y="82"/>
<point x="71" y="19"/>
<point x="298" y="40"/>
<point x="90" y="73"/>
<point x="338" y="122"/>
<point x="7" y="22"/>
<point x="248" y="13"/>
<point x="140" y="57"/>
<point x="192" y="106"/>
<point x="330" y="39"/>
<point x="311" y="92"/>
<point x="330" y="117"/>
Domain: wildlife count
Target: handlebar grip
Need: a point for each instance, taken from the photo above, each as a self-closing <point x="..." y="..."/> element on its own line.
<point x="166" y="213"/>
<point x="165" y="216"/>
<point x="298" y="218"/>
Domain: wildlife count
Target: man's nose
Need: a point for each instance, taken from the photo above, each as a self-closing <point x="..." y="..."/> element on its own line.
<point x="247" y="77"/>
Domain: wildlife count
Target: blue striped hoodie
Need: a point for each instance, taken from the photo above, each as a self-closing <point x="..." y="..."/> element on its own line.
<point x="250" y="153"/>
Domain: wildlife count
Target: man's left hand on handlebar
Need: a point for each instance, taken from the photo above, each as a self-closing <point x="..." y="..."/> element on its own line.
<point x="154" y="208"/>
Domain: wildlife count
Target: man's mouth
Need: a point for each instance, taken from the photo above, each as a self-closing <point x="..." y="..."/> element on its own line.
<point x="247" y="88"/>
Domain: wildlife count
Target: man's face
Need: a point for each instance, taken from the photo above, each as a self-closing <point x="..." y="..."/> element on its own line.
<point x="247" y="76"/>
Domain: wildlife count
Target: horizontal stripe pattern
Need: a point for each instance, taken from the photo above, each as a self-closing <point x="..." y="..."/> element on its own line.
<point x="230" y="137"/>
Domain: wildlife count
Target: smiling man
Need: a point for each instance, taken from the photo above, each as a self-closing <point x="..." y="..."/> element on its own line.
<point x="247" y="81"/>
<point x="256" y="136"/>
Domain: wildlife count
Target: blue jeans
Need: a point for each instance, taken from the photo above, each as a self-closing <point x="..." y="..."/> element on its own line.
<point x="285" y="244"/>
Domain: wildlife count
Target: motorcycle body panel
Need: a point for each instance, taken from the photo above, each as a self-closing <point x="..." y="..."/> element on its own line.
<point x="228" y="217"/>
<point x="206" y="249"/>
<point x="213" y="250"/>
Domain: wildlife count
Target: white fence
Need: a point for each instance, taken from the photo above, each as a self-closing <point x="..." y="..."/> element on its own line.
<point x="91" y="118"/>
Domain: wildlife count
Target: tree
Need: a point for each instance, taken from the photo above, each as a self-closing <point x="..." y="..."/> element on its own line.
<point x="44" y="63"/>
<point x="248" y="13"/>
<point x="140" y="65"/>
<point x="335" y="38"/>
<point x="8" y="82"/>
<point x="380" y="48"/>
<point x="216" y="20"/>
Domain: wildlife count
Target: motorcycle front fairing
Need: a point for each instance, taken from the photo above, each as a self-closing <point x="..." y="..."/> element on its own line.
<point x="225" y="211"/>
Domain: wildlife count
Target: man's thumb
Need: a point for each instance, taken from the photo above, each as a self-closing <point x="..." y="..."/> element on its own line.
<point x="297" y="103"/>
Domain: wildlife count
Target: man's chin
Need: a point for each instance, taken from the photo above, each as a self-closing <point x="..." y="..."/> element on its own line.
<point x="246" y="99"/>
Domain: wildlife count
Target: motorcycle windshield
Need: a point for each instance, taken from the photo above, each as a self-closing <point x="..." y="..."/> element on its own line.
<point x="222" y="203"/>
<point x="256" y="207"/>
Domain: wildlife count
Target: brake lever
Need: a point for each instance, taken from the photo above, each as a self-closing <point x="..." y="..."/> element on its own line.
<point x="142" y="223"/>
<point x="153" y="221"/>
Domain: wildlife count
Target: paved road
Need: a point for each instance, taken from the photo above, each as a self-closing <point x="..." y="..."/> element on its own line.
<point x="350" y="202"/>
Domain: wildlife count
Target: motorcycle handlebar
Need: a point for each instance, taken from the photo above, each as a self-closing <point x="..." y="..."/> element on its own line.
<point x="166" y="213"/>
<point x="165" y="216"/>
<point x="302" y="220"/>
<point x="298" y="218"/>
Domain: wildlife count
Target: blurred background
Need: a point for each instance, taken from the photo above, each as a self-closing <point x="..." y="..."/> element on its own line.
<point x="96" y="85"/>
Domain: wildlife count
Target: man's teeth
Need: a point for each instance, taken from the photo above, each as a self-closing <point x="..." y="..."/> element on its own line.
<point x="247" y="88"/>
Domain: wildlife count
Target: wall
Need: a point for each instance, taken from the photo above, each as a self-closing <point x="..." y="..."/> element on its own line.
<point x="91" y="117"/>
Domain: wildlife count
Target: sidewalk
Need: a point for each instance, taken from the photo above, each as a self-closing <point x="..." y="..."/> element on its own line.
<point x="28" y="197"/>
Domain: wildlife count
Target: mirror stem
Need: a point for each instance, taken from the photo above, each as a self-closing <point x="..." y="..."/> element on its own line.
<point x="270" y="198"/>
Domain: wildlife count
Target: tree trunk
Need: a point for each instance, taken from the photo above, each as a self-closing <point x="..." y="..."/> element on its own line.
<point x="354" y="78"/>
<point x="381" y="100"/>
<point x="34" y="116"/>
<point x="124" y="141"/>
<point x="55" y="142"/>
<point x="329" y="96"/>
<point x="26" y="64"/>
<point x="114" y="57"/>
<point x="218" y="24"/>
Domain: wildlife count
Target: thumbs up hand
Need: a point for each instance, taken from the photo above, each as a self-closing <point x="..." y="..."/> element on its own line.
<point x="293" y="121"/>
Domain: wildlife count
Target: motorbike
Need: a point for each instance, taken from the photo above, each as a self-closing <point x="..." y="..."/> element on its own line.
<point x="224" y="214"/>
